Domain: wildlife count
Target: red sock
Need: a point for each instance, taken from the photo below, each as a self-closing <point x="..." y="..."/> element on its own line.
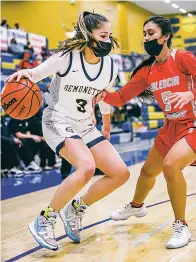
<point x="183" y="221"/>
<point x="133" y="204"/>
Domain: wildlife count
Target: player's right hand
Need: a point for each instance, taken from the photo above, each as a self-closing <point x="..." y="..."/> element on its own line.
<point x="99" y="97"/>
<point x="18" y="75"/>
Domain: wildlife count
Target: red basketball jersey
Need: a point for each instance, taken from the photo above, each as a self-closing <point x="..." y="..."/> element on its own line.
<point x="170" y="77"/>
<point x="176" y="74"/>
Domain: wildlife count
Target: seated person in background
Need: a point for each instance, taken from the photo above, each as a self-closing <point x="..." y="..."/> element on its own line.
<point x="65" y="168"/>
<point x="10" y="160"/>
<point x="4" y="23"/>
<point x="35" y="144"/>
<point x="14" y="151"/>
<point x="47" y="155"/>
<point x="16" y="48"/>
<point x="29" y="48"/>
<point x="37" y="60"/>
<point x="25" y="63"/>
<point x="133" y="109"/>
<point x="45" y="53"/>
<point x="17" y="27"/>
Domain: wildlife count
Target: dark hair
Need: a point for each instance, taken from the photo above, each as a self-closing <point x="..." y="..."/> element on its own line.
<point x="166" y="28"/>
<point x="87" y="21"/>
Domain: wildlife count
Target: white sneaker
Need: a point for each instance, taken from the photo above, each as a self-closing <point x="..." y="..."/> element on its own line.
<point x="32" y="168"/>
<point x="126" y="211"/>
<point x="15" y="172"/>
<point x="42" y="230"/>
<point x="72" y="220"/>
<point x="181" y="235"/>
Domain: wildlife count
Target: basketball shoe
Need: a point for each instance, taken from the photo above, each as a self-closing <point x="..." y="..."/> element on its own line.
<point x="181" y="235"/>
<point x="42" y="229"/>
<point x="72" y="215"/>
<point x="127" y="211"/>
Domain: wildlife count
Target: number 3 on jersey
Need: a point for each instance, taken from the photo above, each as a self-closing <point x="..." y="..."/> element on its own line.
<point x="164" y="95"/>
<point x="81" y="104"/>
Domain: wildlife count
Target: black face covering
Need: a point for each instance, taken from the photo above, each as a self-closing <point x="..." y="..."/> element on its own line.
<point x="153" y="47"/>
<point x="102" y="49"/>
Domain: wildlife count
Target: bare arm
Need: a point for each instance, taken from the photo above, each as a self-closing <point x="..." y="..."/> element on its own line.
<point x="56" y="63"/>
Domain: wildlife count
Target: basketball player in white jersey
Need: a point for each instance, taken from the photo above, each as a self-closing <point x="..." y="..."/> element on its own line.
<point x="81" y="69"/>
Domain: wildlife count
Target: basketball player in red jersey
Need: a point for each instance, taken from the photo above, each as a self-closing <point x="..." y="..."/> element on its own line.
<point x="169" y="76"/>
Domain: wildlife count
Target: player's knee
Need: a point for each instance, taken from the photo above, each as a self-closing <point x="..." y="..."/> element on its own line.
<point x="126" y="174"/>
<point x="123" y="176"/>
<point x="170" y="167"/>
<point x="87" y="169"/>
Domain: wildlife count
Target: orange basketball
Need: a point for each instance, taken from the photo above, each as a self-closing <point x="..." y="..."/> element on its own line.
<point x="21" y="100"/>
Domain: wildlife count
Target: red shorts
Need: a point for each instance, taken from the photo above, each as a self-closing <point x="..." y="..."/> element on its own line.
<point x="171" y="132"/>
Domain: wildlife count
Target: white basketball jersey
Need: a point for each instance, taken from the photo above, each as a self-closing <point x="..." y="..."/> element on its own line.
<point x="73" y="88"/>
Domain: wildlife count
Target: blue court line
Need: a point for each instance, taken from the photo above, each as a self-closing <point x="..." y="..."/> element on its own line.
<point x="86" y="227"/>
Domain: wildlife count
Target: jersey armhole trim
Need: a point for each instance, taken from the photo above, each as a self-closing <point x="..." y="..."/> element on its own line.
<point x="69" y="67"/>
<point x="112" y="70"/>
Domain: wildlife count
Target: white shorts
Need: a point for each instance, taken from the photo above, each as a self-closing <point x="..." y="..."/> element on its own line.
<point x="57" y="127"/>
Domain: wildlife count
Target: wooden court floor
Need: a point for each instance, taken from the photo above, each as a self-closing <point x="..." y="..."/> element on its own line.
<point x="103" y="240"/>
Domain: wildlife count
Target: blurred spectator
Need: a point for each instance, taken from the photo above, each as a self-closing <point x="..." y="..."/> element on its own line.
<point x="17" y="27"/>
<point x="16" y="48"/>
<point x="37" y="60"/>
<point x="45" y="95"/>
<point x="25" y="63"/>
<point x="65" y="168"/>
<point x="13" y="41"/>
<point x="29" y="48"/>
<point x="15" y="150"/>
<point x="97" y="115"/>
<point x="4" y="23"/>
<point x="45" y="53"/>
<point x="133" y="109"/>
<point x="21" y="130"/>
<point x="47" y="156"/>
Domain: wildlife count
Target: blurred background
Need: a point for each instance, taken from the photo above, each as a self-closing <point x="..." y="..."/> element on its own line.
<point x="30" y="31"/>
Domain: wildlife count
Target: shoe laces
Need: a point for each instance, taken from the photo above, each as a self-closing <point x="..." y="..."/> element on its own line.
<point x="178" y="227"/>
<point x="48" y="227"/>
<point x="76" y="221"/>
<point x="124" y="208"/>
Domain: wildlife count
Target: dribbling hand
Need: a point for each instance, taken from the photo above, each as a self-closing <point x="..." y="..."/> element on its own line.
<point x="18" y="75"/>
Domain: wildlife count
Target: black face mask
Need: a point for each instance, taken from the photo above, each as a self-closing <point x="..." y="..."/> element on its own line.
<point x="102" y="49"/>
<point x="153" y="47"/>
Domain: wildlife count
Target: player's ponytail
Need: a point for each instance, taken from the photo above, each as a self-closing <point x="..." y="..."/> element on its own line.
<point x="87" y="21"/>
<point x="166" y="28"/>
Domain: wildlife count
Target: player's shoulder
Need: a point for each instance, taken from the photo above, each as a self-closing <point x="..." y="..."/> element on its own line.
<point x="59" y="56"/>
<point x="183" y="53"/>
<point x="111" y="62"/>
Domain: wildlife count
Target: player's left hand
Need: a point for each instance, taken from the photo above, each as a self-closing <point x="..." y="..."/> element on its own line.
<point x="99" y="97"/>
<point x="180" y="98"/>
<point x="106" y="134"/>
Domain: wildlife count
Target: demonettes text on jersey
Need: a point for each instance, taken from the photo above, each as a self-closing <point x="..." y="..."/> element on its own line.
<point x="176" y="74"/>
<point x="75" y="83"/>
<point x="81" y="89"/>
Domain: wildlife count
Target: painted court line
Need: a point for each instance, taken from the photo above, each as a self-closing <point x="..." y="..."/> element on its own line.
<point x="86" y="227"/>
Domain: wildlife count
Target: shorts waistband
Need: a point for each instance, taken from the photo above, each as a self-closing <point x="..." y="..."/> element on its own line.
<point x="176" y="115"/>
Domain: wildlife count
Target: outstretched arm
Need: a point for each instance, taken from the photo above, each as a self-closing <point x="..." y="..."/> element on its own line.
<point x="134" y="87"/>
<point x="51" y="66"/>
